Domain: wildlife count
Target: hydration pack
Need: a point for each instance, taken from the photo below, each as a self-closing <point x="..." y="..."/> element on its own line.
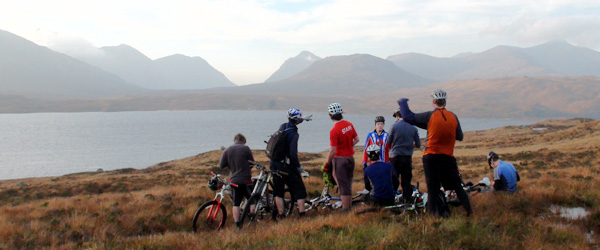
<point x="277" y="142"/>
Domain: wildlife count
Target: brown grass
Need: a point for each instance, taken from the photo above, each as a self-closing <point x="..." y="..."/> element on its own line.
<point x="152" y="208"/>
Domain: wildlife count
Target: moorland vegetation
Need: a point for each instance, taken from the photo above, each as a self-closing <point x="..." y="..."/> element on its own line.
<point x="152" y="208"/>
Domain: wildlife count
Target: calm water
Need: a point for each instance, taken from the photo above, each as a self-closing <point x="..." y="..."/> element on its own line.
<point x="53" y="144"/>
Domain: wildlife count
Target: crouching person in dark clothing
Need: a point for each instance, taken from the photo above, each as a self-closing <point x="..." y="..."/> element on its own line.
<point x="236" y="158"/>
<point x="380" y="175"/>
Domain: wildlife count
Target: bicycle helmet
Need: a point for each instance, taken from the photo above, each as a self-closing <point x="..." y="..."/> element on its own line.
<point x="492" y="157"/>
<point x="397" y="113"/>
<point x="294" y="114"/>
<point x="335" y="108"/>
<point x="379" y="119"/>
<point x="214" y="184"/>
<point x="438" y="94"/>
<point x="373" y="151"/>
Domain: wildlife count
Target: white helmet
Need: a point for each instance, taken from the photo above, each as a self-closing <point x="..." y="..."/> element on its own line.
<point x="335" y="108"/>
<point x="294" y="114"/>
<point x="373" y="151"/>
<point x="438" y="94"/>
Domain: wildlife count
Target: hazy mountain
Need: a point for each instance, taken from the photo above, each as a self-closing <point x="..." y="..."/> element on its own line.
<point x="566" y="59"/>
<point x="355" y="75"/>
<point x="184" y="72"/>
<point x="293" y="66"/>
<point x="437" y="68"/>
<point x="500" y="61"/>
<point x="35" y="71"/>
<point x="129" y="64"/>
<point x="553" y="58"/>
<point x="171" y="72"/>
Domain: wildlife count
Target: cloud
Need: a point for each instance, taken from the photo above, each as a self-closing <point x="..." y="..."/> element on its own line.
<point x="531" y="30"/>
<point x="67" y="44"/>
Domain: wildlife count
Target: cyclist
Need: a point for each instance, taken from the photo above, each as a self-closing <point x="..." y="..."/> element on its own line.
<point x="342" y="138"/>
<point x="378" y="137"/>
<point x="403" y="138"/>
<point x="505" y="174"/>
<point x="443" y="129"/>
<point x="290" y="165"/>
<point x="236" y="158"/>
<point x="381" y="175"/>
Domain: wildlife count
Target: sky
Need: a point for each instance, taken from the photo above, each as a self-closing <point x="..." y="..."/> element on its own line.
<point x="248" y="40"/>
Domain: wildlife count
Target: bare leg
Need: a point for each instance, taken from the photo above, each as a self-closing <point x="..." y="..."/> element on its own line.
<point x="301" y="206"/>
<point x="236" y="213"/>
<point x="279" y="203"/>
<point x="346" y="201"/>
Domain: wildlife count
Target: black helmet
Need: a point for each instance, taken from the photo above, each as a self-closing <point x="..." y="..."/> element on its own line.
<point x="492" y="157"/>
<point x="214" y="184"/>
<point x="379" y="119"/>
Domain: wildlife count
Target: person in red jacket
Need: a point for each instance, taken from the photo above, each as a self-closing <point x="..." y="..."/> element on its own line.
<point x="342" y="138"/>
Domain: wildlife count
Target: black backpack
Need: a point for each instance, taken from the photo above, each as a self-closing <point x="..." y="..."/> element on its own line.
<point x="277" y="142"/>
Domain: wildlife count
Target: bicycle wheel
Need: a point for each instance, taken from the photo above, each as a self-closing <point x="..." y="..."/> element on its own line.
<point x="211" y="216"/>
<point x="247" y="218"/>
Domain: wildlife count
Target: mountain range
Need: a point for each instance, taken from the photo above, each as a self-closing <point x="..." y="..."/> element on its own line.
<point x="556" y="58"/>
<point x="34" y="71"/>
<point x="171" y="72"/>
<point x="36" y="79"/>
<point x="337" y="75"/>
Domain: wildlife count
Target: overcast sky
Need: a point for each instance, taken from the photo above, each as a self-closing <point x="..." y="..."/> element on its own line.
<point x="248" y="40"/>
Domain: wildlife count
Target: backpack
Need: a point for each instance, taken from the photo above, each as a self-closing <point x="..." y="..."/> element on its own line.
<point x="276" y="145"/>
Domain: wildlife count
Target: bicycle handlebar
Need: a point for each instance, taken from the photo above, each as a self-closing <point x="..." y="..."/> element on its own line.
<point x="261" y="168"/>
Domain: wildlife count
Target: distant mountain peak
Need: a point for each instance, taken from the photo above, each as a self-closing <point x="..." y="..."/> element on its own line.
<point x="307" y="56"/>
<point x="293" y="66"/>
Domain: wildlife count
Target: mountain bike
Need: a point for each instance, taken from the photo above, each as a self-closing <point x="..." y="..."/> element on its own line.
<point x="212" y="214"/>
<point x="327" y="202"/>
<point x="415" y="204"/>
<point x="472" y="189"/>
<point x="261" y="197"/>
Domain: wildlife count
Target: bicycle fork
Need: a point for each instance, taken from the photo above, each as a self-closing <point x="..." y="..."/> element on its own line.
<point x="214" y="208"/>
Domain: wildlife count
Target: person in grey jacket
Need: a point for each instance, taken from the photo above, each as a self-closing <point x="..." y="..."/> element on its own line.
<point x="236" y="158"/>
<point x="403" y="138"/>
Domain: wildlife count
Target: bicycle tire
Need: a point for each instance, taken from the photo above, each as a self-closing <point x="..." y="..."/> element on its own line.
<point x="246" y="217"/>
<point x="202" y="220"/>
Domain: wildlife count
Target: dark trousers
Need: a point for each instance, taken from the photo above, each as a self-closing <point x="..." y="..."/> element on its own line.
<point x="443" y="169"/>
<point x="403" y="166"/>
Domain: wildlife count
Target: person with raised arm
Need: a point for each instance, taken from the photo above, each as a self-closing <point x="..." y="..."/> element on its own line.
<point x="443" y="130"/>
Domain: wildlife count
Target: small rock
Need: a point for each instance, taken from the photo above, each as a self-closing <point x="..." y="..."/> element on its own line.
<point x="99" y="170"/>
<point x="22" y="184"/>
<point x="222" y="148"/>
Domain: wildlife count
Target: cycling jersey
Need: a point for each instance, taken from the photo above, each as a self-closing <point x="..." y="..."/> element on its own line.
<point x="341" y="136"/>
<point x="379" y="140"/>
<point x="443" y="128"/>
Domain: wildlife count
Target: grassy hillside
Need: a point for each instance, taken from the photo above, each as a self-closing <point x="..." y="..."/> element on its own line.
<point x="152" y="208"/>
